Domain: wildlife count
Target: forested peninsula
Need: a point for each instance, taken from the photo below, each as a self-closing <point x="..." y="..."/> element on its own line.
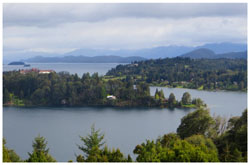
<point x="202" y="74"/>
<point x="63" y="89"/>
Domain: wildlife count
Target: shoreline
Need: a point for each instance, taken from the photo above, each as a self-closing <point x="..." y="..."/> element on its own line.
<point x="190" y="106"/>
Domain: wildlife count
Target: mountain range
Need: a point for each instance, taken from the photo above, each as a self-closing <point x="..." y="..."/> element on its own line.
<point x="209" y="54"/>
<point x="195" y="54"/>
<point x="161" y="51"/>
<point x="84" y="59"/>
<point x="148" y="53"/>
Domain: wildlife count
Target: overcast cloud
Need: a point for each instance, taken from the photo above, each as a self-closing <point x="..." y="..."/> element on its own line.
<point x="64" y="27"/>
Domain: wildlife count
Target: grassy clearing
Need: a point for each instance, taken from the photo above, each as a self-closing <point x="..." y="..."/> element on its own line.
<point x="15" y="101"/>
<point x="200" y="88"/>
<point x="189" y="106"/>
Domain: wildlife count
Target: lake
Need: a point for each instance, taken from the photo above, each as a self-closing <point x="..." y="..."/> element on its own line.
<point x="72" y="68"/>
<point x="123" y="128"/>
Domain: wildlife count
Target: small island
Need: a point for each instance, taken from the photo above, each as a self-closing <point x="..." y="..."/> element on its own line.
<point x="63" y="89"/>
<point x="17" y="63"/>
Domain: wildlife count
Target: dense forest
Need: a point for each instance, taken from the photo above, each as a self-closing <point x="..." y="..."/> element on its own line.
<point x="199" y="138"/>
<point x="63" y="89"/>
<point x="207" y="74"/>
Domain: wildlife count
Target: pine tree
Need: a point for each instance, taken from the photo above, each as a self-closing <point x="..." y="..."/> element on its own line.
<point x="40" y="153"/>
<point x="92" y="141"/>
<point x="6" y="157"/>
<point x="9" y="155"/>
<point x="171" y="100"/>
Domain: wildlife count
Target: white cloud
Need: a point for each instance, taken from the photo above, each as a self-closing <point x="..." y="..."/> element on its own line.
<point x="128" y="33"/>
<point x="53" y="14"/>
<point x="60" y="28"/>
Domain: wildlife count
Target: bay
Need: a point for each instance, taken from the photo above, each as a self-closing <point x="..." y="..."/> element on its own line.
<point x="72" y="68"/>
<point x="124" y="128"/>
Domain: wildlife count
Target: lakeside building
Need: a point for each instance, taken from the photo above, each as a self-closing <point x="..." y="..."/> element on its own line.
<point x="111" y="97"/>
<point x="25" y="71"/>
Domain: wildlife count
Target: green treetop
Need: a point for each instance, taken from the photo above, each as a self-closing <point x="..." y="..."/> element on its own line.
<point x="40" y="151"/>
<point x="197" y="122"/>
<point x="186" y="98"/>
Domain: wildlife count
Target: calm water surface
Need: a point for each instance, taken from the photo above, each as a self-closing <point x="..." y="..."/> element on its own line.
<point x="123" y="128"/>
<point x="78" y="68"/>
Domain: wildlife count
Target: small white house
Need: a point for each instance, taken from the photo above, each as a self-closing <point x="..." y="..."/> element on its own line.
<point x="45" y="71"/>
<point x="111" y="97"/>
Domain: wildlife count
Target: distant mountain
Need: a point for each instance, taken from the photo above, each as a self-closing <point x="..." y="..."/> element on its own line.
<point x="9" y="57"/>
<point x="161" y="51"/>
<point x="149" y="53"/>
<point x="209" y="54"/>
<point x="233" y="55"/>
<point x="200" y="53"/>
<point x="220" y="48"/>
<point x="154" y="53"/>
<point x="84" y="59"/>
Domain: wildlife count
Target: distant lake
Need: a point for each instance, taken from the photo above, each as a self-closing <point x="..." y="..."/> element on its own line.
<point x="124" y="128"/>
<point x="72" y="68"/>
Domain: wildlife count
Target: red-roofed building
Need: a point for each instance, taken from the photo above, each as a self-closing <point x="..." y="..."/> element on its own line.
<point x="25" y="71"/>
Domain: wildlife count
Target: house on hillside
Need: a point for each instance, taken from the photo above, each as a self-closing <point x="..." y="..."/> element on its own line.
<point x="111" y="97"/>
<point x="25" y="71"/>
<point x="45" y="71"/>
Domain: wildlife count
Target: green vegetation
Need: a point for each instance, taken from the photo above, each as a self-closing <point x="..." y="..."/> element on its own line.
<point x="40" y="152"/>
<point x="203" y="74"/>
<point x="197" y="122"/>
<point x="11" y="99"/>
<point x="171" y="148"/>
<point x="232" y="145"/>
<point x="63" y="89"/>
<point x="199" y="138"/>
<point x="94" y="151"/>
<point x="9" y="155"/>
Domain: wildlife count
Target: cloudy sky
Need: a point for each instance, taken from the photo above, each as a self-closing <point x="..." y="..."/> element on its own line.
<point x="59" y="28"/>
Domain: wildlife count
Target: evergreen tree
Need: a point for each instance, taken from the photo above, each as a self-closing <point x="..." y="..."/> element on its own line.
<point x="186" y="98"/>
<point x="129" y="159"/>
<point x="156" y="94"/>
<point x="40" y="151"/>
<point x="94" y="152"/>
<point x="171" y="100"/>
<point x="9" y="155"/>
<point x="92" y="142"/>
<point x="6" y="157"/>
<point x="161" y="95"/>
<point x="6" y="96"/>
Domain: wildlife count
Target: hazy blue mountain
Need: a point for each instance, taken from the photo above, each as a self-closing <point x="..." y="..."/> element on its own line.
<point x="161" y="51"/>
<point x="150" y="53"/>
<point x="84" y="59"/>
<point x="207" y="53"/>
<point x="225" y="47"/>
<point x="233" y="55"/>
<point x="9" y="57"/>
<point x="200" y="53"/>
<point x="156" y="52"/>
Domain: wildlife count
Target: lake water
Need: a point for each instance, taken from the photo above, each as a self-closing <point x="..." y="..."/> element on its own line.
<point x="79" y="68"/>
<point x="123" y="128"/>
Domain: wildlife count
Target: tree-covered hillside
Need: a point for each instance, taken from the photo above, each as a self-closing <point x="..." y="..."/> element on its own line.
<point x="63" y="89"/>
<point x="208" y="74"/>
